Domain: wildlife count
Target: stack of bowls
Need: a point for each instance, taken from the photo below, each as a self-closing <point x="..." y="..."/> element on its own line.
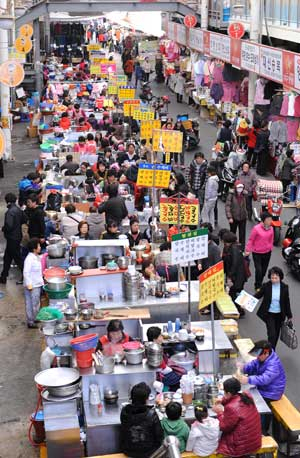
<point x="132" y="285"/>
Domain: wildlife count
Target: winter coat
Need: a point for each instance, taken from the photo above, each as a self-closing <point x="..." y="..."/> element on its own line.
<point x="234" y="267"/>
<point x="262" y="141"/>
<point x="235" y="208"/>
<point x="249" y="180"/>
<point x="204" y="437"/>
<point x="214" y="256"/>
<point x="241" y="428"/>
<point x="260" y="240"/>
<point x="177" y="428"/>
<point x="225" y="135"/>
<point x="266" y="293"/>
<point x="115" y="209"/>
<point x="36" y="222"/>
<point x="286" y="171"/>
<point x="197" y="175"/>
<point x="13" y="220"/>
<point x="141" y="431"/>
<point x="96" y="225"/>
<point x="269" y="376"/>
<point x="211" y="188"/>
<point x="179" y="85"/>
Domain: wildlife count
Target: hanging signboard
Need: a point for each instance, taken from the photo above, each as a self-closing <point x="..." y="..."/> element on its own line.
<point x="147" y="128"/>
<point x="95" y="47"/>
<point x="167" y="140"/>
<point x="126" y="92"/>
<point x="211" y="285"/>
<point x="220" y="46"/>
<point x="108" y="68"/>
<point x="189" y="246"/>
<point x="172" y="30"/>
<point x="288" y="69"/>
<point x="26" y="30"/>
<point x="236" y="30"/>
<point x="250" y="56"/>
<point x="235" y="52"/>
<point x="196" y="39"/>
<point x="112" y="89"/>
<point x="11" y="73"/>
<point x="16" y="56"/>
<point x="95" y="70"/>
<point x="129" y="106"/>
<point x="181" y="34"/>
<point x="270" y="63"/>
<point x="23" y="44"/>
<point x="154" y="175"/>
<point x="188" y="208"/>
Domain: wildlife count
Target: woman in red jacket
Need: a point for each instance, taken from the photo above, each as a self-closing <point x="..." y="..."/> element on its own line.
<point x="239" y="422"/>
<point x="113" y="341"/>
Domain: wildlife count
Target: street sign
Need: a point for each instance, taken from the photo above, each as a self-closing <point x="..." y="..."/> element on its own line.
<point x="26" y="31"/>
<point x="190" y="21"/>
<point x="11" y="73"/>
<point x="23" y="44"/>
<point x="236" y="30"/>
<point x="189" y="246"/>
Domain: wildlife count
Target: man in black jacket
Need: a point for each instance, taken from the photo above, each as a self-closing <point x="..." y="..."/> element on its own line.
<point x="141" y="432"/>
<point x="36" y="218"/>
<point x="12" y="229"/>
<point x="114" y="208"/>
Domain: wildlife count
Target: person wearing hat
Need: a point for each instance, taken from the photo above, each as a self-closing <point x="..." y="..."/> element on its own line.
<point x="275" y="306"/>
<point x="260" y="244"/>
<point x="242" y="132"/>
<point x="267" y="373"/>
<point x="236" y="210"/>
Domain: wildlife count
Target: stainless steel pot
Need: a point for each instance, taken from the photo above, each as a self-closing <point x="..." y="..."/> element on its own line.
<point x="134" y="356"/>
<point x="111" y="396"/>
<point x="88" y="262"/>
<point x="123" y="262"/>
<point x="107" y="367"/>
<point x="65" y="390"/>
<point x="57" y="376"/>
<point x="70" y="314"/>
<point x="57" y="283"/>
<point x="154" y="353"/>
<point x="57" y="250"/>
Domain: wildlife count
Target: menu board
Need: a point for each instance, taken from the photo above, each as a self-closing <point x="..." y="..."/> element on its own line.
<point x="167" y="140"/>
<point x="126" y="92"/>
<point x="143" y="115"/>
<point x="147" y="128"/>
<point x="154" y="175"/>
<point x="129" y="106"/>
<point x="188" y="210"/>
<point x="189" y="246"/>
<point x="211" y="285"/>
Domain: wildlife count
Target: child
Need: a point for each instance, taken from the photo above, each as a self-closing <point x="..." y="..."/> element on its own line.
<point x="204" y="436"/>
<point x="174" y="425"/>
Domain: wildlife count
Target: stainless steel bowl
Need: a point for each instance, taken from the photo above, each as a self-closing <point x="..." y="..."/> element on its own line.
<point x="134" y="356"/>
<point x="65" y="390"/>
<point x="70" y="314"/>
<point x="88" y="262"/>
<point x="56" y="250"/>
<point x="57" y="283"/>
<point x="123" y="262"/>
<point x="87" y="314"/>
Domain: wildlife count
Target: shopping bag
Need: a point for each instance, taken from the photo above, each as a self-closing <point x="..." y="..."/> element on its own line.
<point x="288" y="335"/>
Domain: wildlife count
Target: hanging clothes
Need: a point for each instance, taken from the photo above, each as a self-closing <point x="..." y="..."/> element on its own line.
<point x="291" y="105"/>
<point x="276" y="104"/>
<point x="292" y="128"/>
<point x="259" y="92"/>
<point x="278" y="132"/>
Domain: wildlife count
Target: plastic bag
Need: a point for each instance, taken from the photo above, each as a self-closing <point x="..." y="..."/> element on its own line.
<point x="48" y="313"/>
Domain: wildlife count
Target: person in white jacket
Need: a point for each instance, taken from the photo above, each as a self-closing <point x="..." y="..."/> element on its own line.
<point x="33" y="281"/>
<point x="210" y="197"/>
<point x="204" y="436"/>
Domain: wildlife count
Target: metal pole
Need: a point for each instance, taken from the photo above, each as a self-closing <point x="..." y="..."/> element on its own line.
<point x="204" y="14"/>
<point x="37" y="55"/>
<point x="255" y="35"/>
<point x="213" y="338"/>
<point x="189" y="296"/>
<point x="4" y="89"/>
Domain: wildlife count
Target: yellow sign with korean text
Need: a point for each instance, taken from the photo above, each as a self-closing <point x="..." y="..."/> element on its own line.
<point x="95" y="47"/>
<point x="95" y="69"/>
<point x="167" y="140"/>
<point x="211" y="285"/>
<point x="188" y="209"/>
<point x="126" y="93"/>
<point x="112" y="89"/>
<point x="154" y="175"/>
<point x="130" y="105"/>
<point x="147" y="128"/>
<point x="141" y="115"/>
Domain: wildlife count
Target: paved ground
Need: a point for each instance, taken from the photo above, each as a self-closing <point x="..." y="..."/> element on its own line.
<point x="20" y="347"/>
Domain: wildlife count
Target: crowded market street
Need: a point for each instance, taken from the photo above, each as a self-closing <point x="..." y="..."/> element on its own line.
<point x="151" y="300"/>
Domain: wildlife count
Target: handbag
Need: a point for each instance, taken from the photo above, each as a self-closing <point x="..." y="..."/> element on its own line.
<point x="288" y="335"/>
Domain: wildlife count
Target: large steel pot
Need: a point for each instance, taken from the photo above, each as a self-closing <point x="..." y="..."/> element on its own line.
<point x="154" y="353"/>
<point x="57" y="283"/>
<point x="65" y="390"/>
<point x="57" y="250"/>
<point x="134" y="356"/>
<point x="57" y="376"/>
<point x="123" y="262"/>
<point x="88" y="262"/>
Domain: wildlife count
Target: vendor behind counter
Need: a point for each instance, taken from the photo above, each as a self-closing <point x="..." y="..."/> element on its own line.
<point x="113" y="341"/>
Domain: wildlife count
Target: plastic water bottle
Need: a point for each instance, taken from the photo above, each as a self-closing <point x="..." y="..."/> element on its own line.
<point x="170" y="327"/>
<point x="177" y="324"/>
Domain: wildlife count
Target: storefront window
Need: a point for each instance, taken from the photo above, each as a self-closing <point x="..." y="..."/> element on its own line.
<point x="294" y="11"/>
<point x="284" y="15"/>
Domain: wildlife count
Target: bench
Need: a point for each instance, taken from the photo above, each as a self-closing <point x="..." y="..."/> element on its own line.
<point x="269" y="445"/>
<point x="288" y="416"/>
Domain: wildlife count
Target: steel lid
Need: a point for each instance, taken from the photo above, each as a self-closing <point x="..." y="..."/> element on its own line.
<point x="57" y="376"/>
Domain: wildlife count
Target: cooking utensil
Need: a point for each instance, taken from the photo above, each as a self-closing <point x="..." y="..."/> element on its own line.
<point x="123" y="262"/>
<point x="65" y="390"/>
<point x="84" y="326"/>
<point x="70" y="314"/>
<point x="154" y="353"/>
<point x="75" y="270"/>
<point x="57" y="250"/>
<point x="107" y="366"/>
<point x="134" y="356"/>
<point x="61" y="327"/>
<point x="185" y="360"/>
<point x="57" y="376"/>
<point x="57" y="283"/>
<point x="88" y="262"/>
<point x="111" y="396"/>
<point x="107" y="257"/>
<point x="87" y="314"/>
